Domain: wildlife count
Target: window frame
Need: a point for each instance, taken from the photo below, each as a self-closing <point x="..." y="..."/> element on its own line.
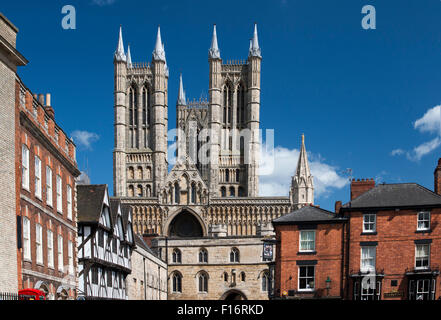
<point x="49" y="190"/>
<point x="50" y="249"/>
<point x="301" y="241"/>
<point x="27" y="239"/>
<point x="70" y="256"/>
<point x="37" y="177"/>
<point x="370" y="269"/>
<point x="374" y="223"/>
<point x="299" y="278"/>
<point x="202" y="283"/>
<point x="25" y="167"/>
<point x="60" y="254"/>
<point x="422" y="258"/>
<point x="39" y="243"/>
<point x="69" y="201"/>
<point x="59" y="194"/>
<point x="423" y="220"/>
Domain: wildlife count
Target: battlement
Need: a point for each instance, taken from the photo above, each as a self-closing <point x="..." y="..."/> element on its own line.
<point x="201" y="103"/>
<point x="239" y="62"/>
<point x="139" y="68"/>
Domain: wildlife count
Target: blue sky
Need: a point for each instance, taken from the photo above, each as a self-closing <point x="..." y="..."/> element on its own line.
<point x="359" y="96"/>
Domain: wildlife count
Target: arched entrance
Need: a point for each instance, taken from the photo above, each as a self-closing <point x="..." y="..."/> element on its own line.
<point x="233" y="295"/>
<point x="185" y="225"/>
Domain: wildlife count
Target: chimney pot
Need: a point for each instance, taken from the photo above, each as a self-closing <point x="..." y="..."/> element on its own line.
<point x="41" y="99"/>
<point x="437" y="176"/>
<point x="48" y="99"/>
<point x="338" y="205"/>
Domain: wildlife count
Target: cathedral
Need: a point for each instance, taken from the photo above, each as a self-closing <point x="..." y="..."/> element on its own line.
<point x="204" y="216"/>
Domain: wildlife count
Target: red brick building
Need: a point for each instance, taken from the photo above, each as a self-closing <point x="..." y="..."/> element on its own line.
<point x="309" y="254"/>
<point x="393" y="241"/>
<point x="45" y="198"/>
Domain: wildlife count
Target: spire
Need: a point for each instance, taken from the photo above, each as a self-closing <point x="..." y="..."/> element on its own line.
<point x="129" y="57"/>
<point x="181" y="97"/>
<point x="302" y="188"/>
<point x="214" y="52"/>
<point x="254" y="47"/>
<point x="158" y="53"/>
<point x="119" y="53"/>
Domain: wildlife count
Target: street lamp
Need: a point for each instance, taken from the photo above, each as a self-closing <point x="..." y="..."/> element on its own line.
<point x="328" y="285"/>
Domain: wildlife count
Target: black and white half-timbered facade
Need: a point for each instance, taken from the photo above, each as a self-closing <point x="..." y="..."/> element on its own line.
<point x="105" y="244"/>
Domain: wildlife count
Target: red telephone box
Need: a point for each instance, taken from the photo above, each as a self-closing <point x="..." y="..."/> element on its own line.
<point x="31" y="294"/>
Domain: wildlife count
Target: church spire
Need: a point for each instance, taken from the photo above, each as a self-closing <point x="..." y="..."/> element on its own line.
<point x="254" y="47"/>
<point x="129" y="57"/>
<point x="119" y="53"/>
<point x="158" y="53"/>
<point x="181" y="97"/>
<point x="214" y="52"/>
<point x="302" y="188"/>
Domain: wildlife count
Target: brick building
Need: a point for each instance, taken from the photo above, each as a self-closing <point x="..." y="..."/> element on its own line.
<point x="393" y="241"/>
<point x="46" y="169"/>
<point x="309" y="254"/>
<point x="10" y="58"/>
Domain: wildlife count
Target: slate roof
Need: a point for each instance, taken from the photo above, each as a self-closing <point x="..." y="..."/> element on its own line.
<point x="395" y="195"/>
<point x="114" y="203"/>
<point x="141" y="243"/>
<point x="309" y="214"/>
<point x="89" y="202"/>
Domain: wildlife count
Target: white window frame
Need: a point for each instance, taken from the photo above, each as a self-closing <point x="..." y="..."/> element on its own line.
<point x="60" y="253"/>
<point x="70" y="256"/>
<point x="39" y="243"/>
<point x="365" y="223"/>
<point x="422" y="257"/>
<point x="298" y="279"/>
<point x="49" y="191"/>
<point x="25" y="167"/>
<point x="38" y="180"/>
<point x="27" y="239"/>
<point x="301" y="241"/>
<point x="423" y="220"/>
<point x="50" y="249"/>
<point x="59" y="194"/>
<point x="69" y="201"/>
<point x="363" y="266"/>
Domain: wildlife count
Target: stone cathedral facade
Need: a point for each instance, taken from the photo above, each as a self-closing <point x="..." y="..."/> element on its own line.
<point x="206" y="211"/>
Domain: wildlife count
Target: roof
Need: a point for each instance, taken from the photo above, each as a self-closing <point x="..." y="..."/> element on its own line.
<point x="141" y="244"/>
<point x="125" y="210"/>
<point x="89" y="202"/>
<point x="309" y="214"/>
<point x="395" y="195"/>
<point x="114" y="203"/>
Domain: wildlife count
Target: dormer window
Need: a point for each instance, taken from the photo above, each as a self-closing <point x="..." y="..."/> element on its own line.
<point x="423" y="221"/>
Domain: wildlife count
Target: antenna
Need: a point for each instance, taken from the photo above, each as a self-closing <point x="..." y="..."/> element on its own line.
<point x="348" y="172"/>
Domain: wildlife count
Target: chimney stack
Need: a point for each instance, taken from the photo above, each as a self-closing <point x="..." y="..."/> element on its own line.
<point x="361" y="186"/>
<point x="49" y="110"/>
<point x="41" y="99"/>
<point x="437" y="175"/>
<point x="337" y="206"/>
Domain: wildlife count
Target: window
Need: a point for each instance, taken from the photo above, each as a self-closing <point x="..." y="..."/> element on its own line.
<point x="306" y="278"/>
<point x="69" y="202"/>
<point x="48" y="186"/>
<point x="101" y="238"/>
<point x="38" y="243"/>
<point x="60" y="253"/>
<point x="423" y="220"/>
<point x="422" y="255"/>
<point x="203" y="282"/>
<point x="26" y="238"/>
<point x="114" y="245"/>
<point x="70" y="256"/>
<point x="95" y="275"/>
<point x="50" y="248"/>
<point x="225" y="275"/>
<point x="177" y="256"/>
<point x="37" y="177"/>
<point x="203" y="256"/>
<point x="59" y="195"/>
<point x="177" y="282"/>
<point x="367" y="263"/>
<point x="234" y="255"/>
<point x="307" y="241"/>
<point x="109" y="278"/>
<point x="369" y="221"/>
<point x="25" y="167"/>
<point x="265" y="282"/>
<point x="367" y="288"/>
<point x="242" y="276"/>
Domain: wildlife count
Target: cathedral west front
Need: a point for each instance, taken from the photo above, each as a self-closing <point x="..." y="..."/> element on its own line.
<point x="204" y="217"/>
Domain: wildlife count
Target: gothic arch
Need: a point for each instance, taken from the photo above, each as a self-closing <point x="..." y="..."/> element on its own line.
<point x="192" y="215"/>
<point x="234" y="294"/>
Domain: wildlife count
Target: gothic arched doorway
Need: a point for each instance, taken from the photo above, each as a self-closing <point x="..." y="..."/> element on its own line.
<point x="185" y="225"/>
<point x="233" y="295"/>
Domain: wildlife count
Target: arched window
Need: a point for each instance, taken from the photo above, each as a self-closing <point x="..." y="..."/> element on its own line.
<point x="228" y="103"/>
<point x="133" y="106"/>
<point x="131" y="191"/>
<point x="225" y="276"/>
<point x="232" y="192"/>
<point x="139" y="191"/>
<point x="234" y="255"/>
<point x="144" y="105"/>
<point x="223" y="192"/>
<point x="148" y="191"/>
<point x="241" y="104"/>
<point x="176" y="256"/>
<point x="227" y="175"/>
<point x="265" y="282"/>
<point x="237" y="175"/>
<point x="203" y="282"/>
<point x="148" y="173"/>
<point x="177" y="282"/>
<point x="203" y="256"/>
<point x="193" y="193"/>
<point x="177" y="193"/>
<point x="131" y="173"/>
<point x="242" y="276"/>
<point x="139" y="173"/>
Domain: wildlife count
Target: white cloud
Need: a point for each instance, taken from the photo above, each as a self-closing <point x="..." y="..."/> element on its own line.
<point x="103" y="3"/>
<point x="278" y="166"/>
<point x="397" y="152"/>
<point x="430" y="122"/>
<point x="418" y="152"/>
<point x="84" y="138"/>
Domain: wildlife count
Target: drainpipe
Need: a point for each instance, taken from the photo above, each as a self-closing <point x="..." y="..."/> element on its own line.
<point x="145" y="284"/>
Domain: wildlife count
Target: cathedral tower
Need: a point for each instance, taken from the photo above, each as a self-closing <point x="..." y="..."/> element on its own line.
<point x="302" y="185"/>
<point x="140" y="155"/>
